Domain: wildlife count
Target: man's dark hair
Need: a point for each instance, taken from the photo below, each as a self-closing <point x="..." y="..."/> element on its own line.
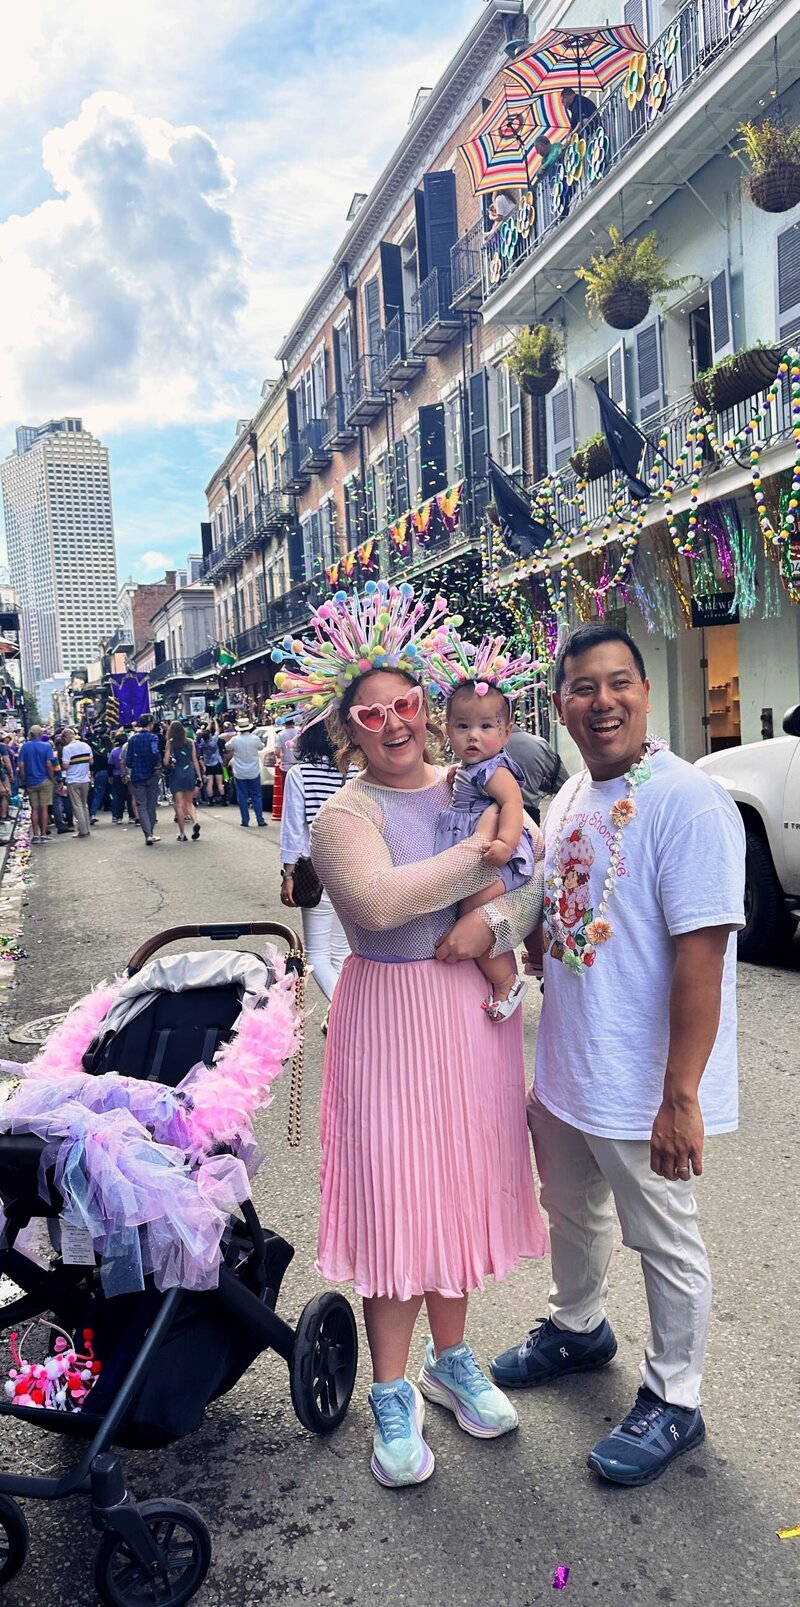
<point x="145" y="720"/>
<point x="586" y="637"/>
<point x="314" y="745"/>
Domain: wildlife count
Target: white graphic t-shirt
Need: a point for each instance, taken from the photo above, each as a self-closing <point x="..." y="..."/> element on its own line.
<point x="604" y="1032"/>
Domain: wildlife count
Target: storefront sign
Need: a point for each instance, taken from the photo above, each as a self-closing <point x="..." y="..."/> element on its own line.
<point x="197" y="704"/>
<point x="715" y="610"/>
<point x="236" y="697"/>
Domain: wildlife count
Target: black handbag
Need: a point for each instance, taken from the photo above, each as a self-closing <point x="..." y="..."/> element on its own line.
<point x="307" y="889"/>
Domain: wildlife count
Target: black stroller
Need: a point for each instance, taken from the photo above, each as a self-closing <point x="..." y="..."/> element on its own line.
<point x="165" y="1356"/>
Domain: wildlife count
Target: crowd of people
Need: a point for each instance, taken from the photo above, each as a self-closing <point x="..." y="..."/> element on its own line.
<point x="73" y="778"/>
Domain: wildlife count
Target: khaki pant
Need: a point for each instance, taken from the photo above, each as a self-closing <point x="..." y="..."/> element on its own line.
<point x="79" y="797"/>
<point x="582" y="1179"/>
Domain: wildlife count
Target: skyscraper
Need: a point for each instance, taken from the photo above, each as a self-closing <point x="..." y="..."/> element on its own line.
<point x="60" y="531"/>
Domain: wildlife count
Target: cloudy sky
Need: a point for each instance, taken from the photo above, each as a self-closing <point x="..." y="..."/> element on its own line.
<point x="174" y="177"/>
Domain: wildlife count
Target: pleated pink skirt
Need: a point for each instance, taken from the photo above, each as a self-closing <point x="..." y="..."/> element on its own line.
<point x="426" y="1165"/>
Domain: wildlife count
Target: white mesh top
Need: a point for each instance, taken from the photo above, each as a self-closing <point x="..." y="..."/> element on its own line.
<point x="372" y="848"/>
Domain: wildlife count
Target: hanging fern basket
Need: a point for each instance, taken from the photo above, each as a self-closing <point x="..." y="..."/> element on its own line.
<point x="777" y="189"/>
<point x="539" y="382"/>
<point x="748" y="373"/>
<point x="589" y="462"/>
<point x="625" y="307"/>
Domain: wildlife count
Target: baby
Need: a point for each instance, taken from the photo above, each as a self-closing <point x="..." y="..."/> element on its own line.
<point x="478" y="727"/>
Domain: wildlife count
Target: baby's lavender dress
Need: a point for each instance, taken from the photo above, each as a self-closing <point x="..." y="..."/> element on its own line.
<point x="470" y="799"/>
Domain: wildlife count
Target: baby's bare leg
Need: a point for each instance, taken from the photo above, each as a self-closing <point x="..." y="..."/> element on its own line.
<point x="501" y="970"/>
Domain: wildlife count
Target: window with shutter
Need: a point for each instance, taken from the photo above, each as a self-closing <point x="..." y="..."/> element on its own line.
<point x="372" y="315"/>
<point x="433" y="453"/>
<point x="402" y="499"/>
<point x="634" y="13"/>
<point x="719" y="301"/>
<point x="261" y="593"/>
<point x="789" y="281"/>
<point x="392" y="280"/>
<point x="441" y="227"/>
<point x="478" y="436"/>
<point x="617" y="386"/>
<point x="560" y="425"/>
<point x="649" y="372"/>
<point x="372" y="527"/>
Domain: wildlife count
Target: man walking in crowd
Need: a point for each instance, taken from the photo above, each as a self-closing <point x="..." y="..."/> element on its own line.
<point x="36" y="773"/>
<point x="76" y="763"/>
<point x="143" y="766"/>
<point x="644" y="879"/>
<point x="244" y="750"/>
<point x="543" y="770"/>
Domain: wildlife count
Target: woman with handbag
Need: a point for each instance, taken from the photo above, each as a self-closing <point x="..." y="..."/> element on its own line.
<point x="427" y="1188"/>
<point x="310" y="781"/>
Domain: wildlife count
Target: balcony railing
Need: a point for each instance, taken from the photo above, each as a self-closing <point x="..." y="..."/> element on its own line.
<point x="364" y="399"/>
<point x="315" y="454"/>
<point x="397" y="363"/>
<point x="673" y="425"/>
<point x="433" y="322"/>
<point x="170" y="669"/>
<point x="465" y="269"/>
<point x="339" y="432"/>
<point x="207" y="660"/>
<point x="695" y="39"/>
<point x="294" y="475"/>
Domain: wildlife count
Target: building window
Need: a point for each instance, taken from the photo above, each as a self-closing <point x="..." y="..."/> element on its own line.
<point x="414" y="466"/>
<point x="509" y="421"/>
<point x="383" y="493"/>
<point x="454" y="438"/>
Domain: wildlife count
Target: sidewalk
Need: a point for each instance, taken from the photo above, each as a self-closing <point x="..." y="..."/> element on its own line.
<point x="15" y="853"/>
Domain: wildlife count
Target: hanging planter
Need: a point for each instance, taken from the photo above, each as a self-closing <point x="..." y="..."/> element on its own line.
<point x="592" y="459"/>
<point x="535" y="360"/>
<point x="736" y="378"/>
<point x="773" y="183"/>
<point x="622" y="284"/>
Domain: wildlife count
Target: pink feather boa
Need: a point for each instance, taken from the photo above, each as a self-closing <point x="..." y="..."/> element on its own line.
<point x="223" y="1097"/>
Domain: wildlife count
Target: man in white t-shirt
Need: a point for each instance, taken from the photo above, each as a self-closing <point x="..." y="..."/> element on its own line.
<point x="636" y="1055"/>
<point x="245" y="749"/>
<point x="76" y="764"/>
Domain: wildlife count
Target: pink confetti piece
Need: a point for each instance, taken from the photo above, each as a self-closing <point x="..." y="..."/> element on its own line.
<point x="560" y="1578"/>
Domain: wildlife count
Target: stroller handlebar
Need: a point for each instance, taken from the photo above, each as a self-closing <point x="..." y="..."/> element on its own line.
<point x="218" y="932"/>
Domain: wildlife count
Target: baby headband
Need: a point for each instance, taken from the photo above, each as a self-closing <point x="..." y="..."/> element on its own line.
<point x="450" y="663"/>
<point x="384" y="628"/>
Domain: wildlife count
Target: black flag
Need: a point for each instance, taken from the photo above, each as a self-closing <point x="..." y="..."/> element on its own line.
<point x="625" y="443"/>
<point x="520" y="531"/>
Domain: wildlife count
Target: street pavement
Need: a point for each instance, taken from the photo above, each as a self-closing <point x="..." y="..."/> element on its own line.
<point x="297" y="1519"/>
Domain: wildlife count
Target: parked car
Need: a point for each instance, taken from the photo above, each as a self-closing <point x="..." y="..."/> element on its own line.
<point x="763" y="778"/>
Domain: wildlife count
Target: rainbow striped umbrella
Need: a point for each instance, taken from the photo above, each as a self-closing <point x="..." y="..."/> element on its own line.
<point x="500" y="153"/>
<point x="576" y="58"/>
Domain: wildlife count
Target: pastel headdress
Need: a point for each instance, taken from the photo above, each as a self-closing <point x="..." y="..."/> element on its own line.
<point x="384" y="628"/>
<point x="451" y="662"/>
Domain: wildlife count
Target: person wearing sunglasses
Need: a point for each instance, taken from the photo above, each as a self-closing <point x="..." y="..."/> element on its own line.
<point x="427" y="1187"/>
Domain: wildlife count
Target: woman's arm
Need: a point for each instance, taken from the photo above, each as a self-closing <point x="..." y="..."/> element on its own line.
<point x="196" y="762"/>
<point x="167" y="754"/>
<point x="294" y="831"/>
<point x="507" y="793"/>
<point x="355" y="867"/>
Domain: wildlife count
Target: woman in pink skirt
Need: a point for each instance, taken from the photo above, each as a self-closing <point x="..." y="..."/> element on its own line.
<point x="427" y="1187"/>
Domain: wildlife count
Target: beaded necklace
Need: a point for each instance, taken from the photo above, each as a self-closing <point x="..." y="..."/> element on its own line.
<point x="577" y="949"/>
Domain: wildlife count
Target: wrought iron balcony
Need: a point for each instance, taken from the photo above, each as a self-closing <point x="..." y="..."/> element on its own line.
<point x="207" y="660"/>
<point x="364" y="399"/>
<point x="170" y="669"/>
<point x="271" y="513"/>
<point x="295" y="476"/>
<point x="465" y="269"/>
<point x="396" y="362"/>
<point x="433" y="322"/>
<point x="340" y="433"/>
<point x="315" y="454"/>
<point x="692" y="87"/>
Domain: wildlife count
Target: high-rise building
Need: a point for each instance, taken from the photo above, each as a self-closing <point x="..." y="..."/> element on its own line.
<point x="60" y="532"/>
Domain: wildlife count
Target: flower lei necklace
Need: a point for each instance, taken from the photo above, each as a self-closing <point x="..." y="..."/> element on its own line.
<point x="578" y="951"/>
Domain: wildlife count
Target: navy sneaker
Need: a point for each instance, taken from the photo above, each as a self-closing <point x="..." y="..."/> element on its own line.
<point x="550" y="1352"/>
<point x="647" y="1440"/>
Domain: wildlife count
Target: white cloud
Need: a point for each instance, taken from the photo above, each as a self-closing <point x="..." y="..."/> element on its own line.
<point x="150" y="562"/>
<point x="121" y="298"/>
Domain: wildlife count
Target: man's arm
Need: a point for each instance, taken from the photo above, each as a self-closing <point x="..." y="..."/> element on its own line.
<point x="676" y="1145"/>
<point x="50" y="771"/>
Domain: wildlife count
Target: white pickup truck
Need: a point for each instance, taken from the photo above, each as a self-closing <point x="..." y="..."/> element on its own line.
<point x="763" y="779"/>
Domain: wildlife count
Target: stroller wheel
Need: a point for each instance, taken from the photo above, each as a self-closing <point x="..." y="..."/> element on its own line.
<point x="121" y="1580"/>
<point x="14" y="1540"/>
<point x="322" y="1368"/>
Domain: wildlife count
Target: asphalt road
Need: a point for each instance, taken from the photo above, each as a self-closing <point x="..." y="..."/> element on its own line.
<point x="296" y="1519"/>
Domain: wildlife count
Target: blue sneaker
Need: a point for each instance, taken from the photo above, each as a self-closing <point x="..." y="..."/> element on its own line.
<point x="647" y="1440"/>
<point x="550" y="1352"/>
<point x="456" y="1381"/>
<point x="399" y="1453"/>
